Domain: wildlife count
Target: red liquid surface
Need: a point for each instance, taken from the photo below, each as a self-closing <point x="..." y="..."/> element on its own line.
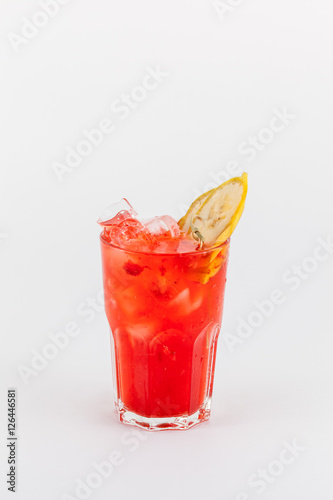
<point x="165" y="324"/>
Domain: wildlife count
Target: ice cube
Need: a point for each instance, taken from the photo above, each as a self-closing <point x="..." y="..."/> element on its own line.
<point x="164" y="225"/>
<point x="117" y="212"/>
<point x="113" y="218"/>
<point x="185" y="303"/>
<point x="128" y="233"/>
<point x="143" y="330"/>
<point x="123" y="228"/>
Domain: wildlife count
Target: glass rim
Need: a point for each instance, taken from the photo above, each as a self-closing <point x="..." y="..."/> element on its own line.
<point x="139" y="252"/>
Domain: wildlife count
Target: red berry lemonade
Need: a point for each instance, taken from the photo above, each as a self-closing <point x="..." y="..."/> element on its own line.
<point x="164" y="300"/>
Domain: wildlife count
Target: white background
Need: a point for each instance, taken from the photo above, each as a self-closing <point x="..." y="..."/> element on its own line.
<point x="226" y="75"/>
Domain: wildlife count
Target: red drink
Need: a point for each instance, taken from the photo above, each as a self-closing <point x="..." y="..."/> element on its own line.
<point x="165" y="313"/>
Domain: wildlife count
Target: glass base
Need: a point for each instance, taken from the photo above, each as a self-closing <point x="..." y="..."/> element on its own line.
<point x="182" y="422"/>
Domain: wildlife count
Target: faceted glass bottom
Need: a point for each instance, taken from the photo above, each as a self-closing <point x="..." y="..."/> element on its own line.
<point x="182" y="422"/>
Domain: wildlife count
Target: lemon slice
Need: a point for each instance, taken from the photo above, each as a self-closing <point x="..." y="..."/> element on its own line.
<point x="218" y="211"/>
<point x="185" y="222"/>
<point x="215" y="215"/>
<point x="209" y="265"/>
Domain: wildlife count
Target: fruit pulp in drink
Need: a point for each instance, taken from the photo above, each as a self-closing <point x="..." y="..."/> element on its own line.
<point x="165" y="315"/>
